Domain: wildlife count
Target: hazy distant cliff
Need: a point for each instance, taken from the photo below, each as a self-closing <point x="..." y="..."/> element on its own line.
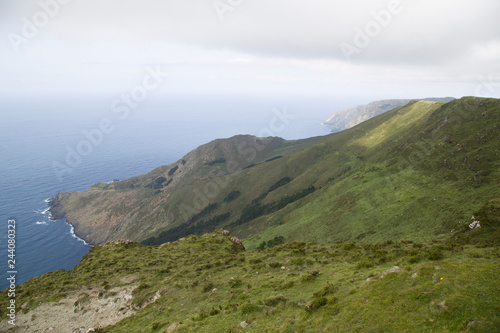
<point x="344" y="119"/>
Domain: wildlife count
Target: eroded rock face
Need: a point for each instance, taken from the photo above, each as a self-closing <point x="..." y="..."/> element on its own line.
<point x="80" y="311"/>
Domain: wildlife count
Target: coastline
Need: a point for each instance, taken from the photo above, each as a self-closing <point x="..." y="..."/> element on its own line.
<point x="56" y="213"/>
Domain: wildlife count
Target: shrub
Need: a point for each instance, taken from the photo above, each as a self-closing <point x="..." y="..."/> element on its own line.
<point x="255" y="261"/>
<point x="365" y="263"/>
<point x="413" y="259"/>
<point x="208" y="287"/>
<point x="435" y="254"/>
<point x="173" y="170"/>
<point x="235" y="283"/>
<point x="308" y="277"/>
<point x="249" y="308"/>
<point x="287" y="285"/>
<point x="232" y="196"/>
<point x="328" y="289"/>
<point x="202" y="315"/>
<point x="316" y="303"/>
<point x="273" y="301"/>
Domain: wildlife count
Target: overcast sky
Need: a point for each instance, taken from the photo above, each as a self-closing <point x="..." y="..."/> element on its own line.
<point x="384" y="49"/>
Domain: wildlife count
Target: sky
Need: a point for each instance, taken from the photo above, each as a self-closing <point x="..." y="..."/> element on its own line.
<point x="345" y="49"/>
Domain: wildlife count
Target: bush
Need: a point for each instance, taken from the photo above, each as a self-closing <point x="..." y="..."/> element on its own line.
<point x="235" y="283"/>
<point x="435" y="254"/>
<point x="216" y="161"/>
<point x="273" y="301"/>
<point x="316" y="303"/>
<point x="283" y="181"/>
<point x="365" y="263"/>
<point x="413" y="259"/>
<point x="278" y="240"/>
<point x="208" y="287"/>
<point x="328" y="289"/>
<point x="287" y="285"/>
<point x="308" y="277"/>
<point x="249" y="308"/>
<point x="173" y="170"/>
<point x="202" y="315"/>
<point x="232" y="196"/>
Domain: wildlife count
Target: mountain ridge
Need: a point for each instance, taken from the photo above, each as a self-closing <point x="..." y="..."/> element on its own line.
<point x="347" y="118"/>
<point x="391" y="150"/>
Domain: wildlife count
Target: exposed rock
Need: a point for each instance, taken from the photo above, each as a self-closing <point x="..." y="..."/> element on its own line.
<point x="394" y="269"/>
<point x="92" y="311"/>
<point x="225" y="232"/>
<point x="172" y="327"/>
<point x="237" y="242"/>
<point x="243" y="324"/>
<point x="441" y="305"/>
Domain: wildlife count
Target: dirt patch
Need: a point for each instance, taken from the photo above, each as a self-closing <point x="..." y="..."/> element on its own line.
<point x="81" y="311"/>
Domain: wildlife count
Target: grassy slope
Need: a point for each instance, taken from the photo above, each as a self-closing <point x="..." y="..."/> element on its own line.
<point x="321" y="288"/>
<point x="419" y="172"/>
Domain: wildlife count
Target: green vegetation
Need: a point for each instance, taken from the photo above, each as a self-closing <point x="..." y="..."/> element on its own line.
<point x="274" y="158"/>
<point x="173" y="170"/>
<point x="209" y="285"/>
<point x="278" y="240"/>
<point x="233" y="195"/>
<point x="256" y="209"/>
<point x="282" y="182"/>
<point x="157" y="183"/>
<point x="216" y="161"/>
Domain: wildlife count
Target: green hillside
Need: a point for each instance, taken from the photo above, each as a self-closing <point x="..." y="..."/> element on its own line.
<point x="209" y="284"/>
<point x="415" y="172"/>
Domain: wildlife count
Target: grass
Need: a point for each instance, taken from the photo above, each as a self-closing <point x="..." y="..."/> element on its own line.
<point x="210" y="285"/>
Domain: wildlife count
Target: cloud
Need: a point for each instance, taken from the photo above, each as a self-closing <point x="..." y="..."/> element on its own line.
<point x="260" y="40"/>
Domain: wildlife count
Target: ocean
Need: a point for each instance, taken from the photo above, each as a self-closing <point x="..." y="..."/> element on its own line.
<point x="38" y="133"/>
